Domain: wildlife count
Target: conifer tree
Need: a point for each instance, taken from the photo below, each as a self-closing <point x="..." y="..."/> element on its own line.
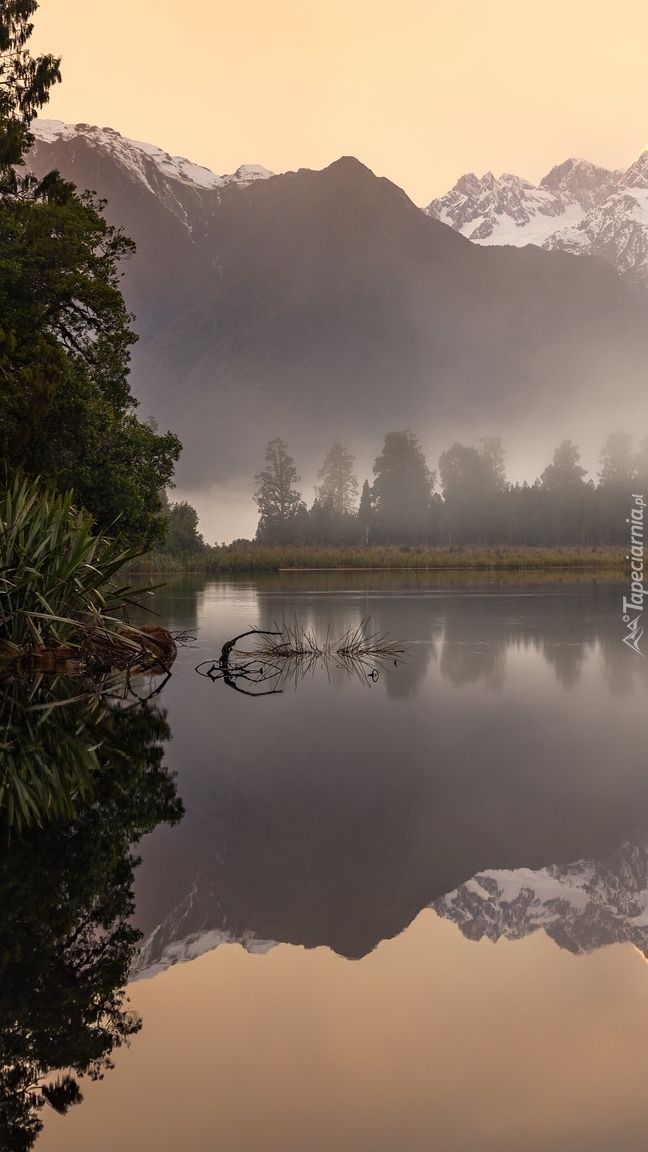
<point x="402" y="489"/>
<point x="339" y="484"/>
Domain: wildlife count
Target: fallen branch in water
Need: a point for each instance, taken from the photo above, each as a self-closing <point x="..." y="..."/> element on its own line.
<point x="297" y="652"/>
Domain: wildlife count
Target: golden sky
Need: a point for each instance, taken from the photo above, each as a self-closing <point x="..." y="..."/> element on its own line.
<point x="420" y="91"/>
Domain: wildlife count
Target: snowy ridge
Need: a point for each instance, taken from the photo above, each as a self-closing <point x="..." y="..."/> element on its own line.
<point x="189" y="931"/>
<point x="577" y="208"/>
<point x="181" y="951"/>
<point x="140" y="158"/>
<point x="582" y="907"/>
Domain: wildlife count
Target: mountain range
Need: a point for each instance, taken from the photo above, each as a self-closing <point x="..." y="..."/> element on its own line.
<point x="577" y="207"/>
<point x="324" y="306"/>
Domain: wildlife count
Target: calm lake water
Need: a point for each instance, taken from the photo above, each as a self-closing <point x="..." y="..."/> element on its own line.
<point x="403" y="910"/>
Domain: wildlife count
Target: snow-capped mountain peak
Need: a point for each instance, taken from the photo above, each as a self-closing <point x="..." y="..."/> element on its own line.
<point x="578" y="207"/>
<point x="502" y="209"/>
<point x="637" y="174"/>
<point x="145" y="161"/>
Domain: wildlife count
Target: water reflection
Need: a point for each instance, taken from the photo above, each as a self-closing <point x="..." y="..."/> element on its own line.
<point x="584" y="906"/>
<point x="472" y="630"/>
<point x="66" y="901"/>
<point x="335" y="818"/>
<point x="263" y="661"/>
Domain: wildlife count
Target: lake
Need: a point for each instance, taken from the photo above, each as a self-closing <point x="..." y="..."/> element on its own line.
<point x="407" y="905"/>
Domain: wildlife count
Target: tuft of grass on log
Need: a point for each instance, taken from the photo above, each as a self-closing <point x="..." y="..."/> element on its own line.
<point x="357" y="643"/>
<point x="290" y="652"/>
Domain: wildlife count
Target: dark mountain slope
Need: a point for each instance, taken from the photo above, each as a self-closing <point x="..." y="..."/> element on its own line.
<point x="324" y="305"/>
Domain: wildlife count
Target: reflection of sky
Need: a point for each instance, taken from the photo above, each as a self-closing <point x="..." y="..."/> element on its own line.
<point x="431" y="1042"/>
<point x="333" y="815"/>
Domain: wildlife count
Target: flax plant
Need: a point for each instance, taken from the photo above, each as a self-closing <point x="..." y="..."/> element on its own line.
<point x="55" y="575"/>
<point x="56" y="583"/>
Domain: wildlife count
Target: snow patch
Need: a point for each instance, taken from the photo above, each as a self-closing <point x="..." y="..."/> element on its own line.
<point x="143" y="160"/>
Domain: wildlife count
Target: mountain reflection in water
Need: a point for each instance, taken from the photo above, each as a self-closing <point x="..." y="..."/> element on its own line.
<point x="497" y="775"/>
<point x="510" y="738"/>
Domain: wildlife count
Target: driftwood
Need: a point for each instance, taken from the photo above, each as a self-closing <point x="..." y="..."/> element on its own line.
<point x="230" y="674"/>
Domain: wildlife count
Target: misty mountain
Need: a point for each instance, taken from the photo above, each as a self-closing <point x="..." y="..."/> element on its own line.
<point x="577" y="207"/>
<point x="320" y="306"/>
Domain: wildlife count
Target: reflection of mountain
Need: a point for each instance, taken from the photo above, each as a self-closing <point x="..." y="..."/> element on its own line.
<point x="188" y="932"/>
<point x="333" y="815"/>
<point x="582" y="907"/>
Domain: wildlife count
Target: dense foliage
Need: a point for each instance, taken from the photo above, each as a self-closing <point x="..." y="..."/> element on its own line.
<point x="182" y="536"/>
<point x="66" y="409"/>
<point x="55" y="572"/>
<point x="56" y="584"/>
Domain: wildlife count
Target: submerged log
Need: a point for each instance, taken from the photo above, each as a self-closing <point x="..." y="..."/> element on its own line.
<point x="150" y="648"/>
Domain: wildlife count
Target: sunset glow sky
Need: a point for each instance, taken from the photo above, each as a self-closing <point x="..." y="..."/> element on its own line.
<point x="419" y="91"/>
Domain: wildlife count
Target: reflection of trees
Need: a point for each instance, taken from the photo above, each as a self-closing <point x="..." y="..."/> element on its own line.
<point x="468" y="663"/>
<point x="624" y="670"/>
<point x="562" y="625"/>
<point x="66" y="941"/>
<point x="176" y="601"/>
<point x="563" y="620"/>
<point x="387" y="601"/>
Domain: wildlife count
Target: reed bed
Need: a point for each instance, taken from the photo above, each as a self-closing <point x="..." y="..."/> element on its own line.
<point x="252" y="558"/>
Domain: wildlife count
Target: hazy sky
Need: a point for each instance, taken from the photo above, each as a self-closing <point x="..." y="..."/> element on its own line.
<point x="419" y="91"/>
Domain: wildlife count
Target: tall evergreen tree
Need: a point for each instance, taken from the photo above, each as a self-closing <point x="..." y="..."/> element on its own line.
<point x="564" y="474"/>
<point x="402" y="489"/>
<point x="366" y="513"/>
<point x="277" y="499"/>
<point x="618" y="464"/>
<point x="568" y="502"/>
<point x="339" y="483"/>
<point x="24" y="87"/>
<point x="472" y="479"/>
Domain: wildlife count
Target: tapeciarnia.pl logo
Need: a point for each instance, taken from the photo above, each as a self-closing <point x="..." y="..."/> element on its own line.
<point x="637" y="590"/>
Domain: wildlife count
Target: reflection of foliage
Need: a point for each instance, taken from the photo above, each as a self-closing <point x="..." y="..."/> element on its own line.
<point x="55" y="735"/>
<point x="51" y="748"/>
<point x="66" y="942"/>
<point x="290" y="653"/>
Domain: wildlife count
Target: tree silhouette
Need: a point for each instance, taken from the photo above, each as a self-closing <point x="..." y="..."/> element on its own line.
<point x="564" y="474"/>
<point x="339" y="483"/>
<point x="277" y="499"/>
<point x="402" y="489"/>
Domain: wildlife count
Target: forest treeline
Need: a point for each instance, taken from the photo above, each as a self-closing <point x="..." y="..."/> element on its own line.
<point x="469" y="500"/>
